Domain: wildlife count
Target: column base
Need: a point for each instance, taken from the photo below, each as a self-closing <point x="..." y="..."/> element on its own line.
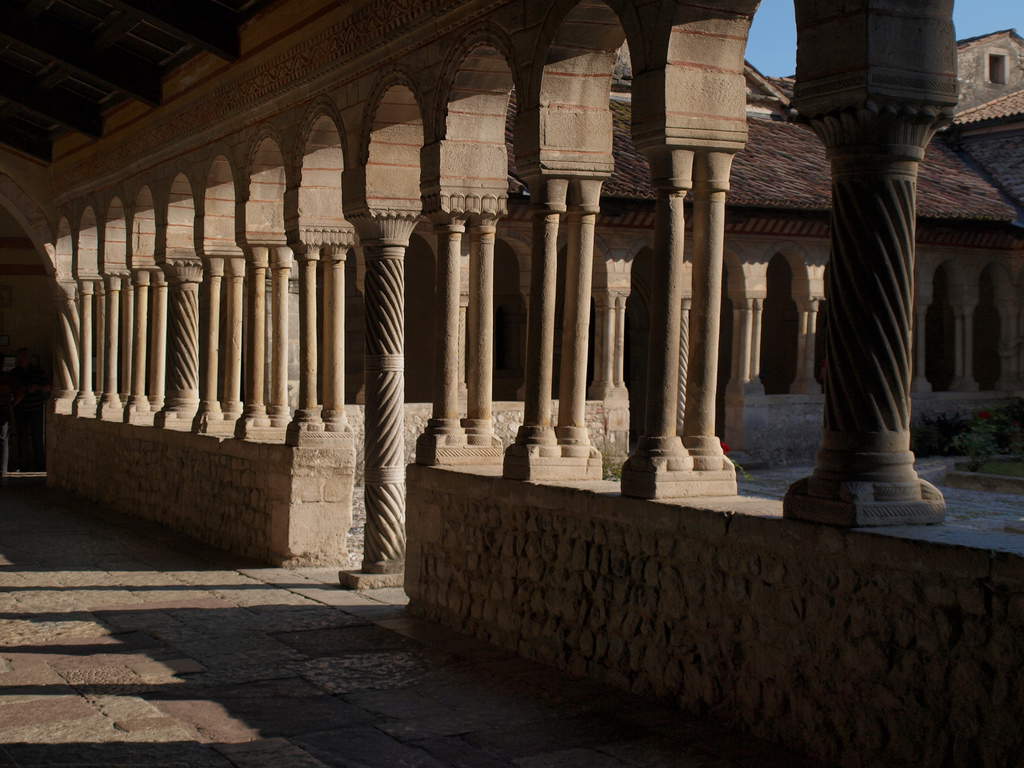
<point x="208" y="419"/>
<point x="175" y="419"/>
<point x="253" y="424"/>
<point x="280" y="416"/>
<point x="455" y="450"/>
<point x="867" y="504"/>
<point x="110" y="409"/>
<point x="964" y="385"/>
<point x="361" y="580"/>
<point x="137" y="411"/>
<point x="84" y="407"/>
<point x="62" y="405"/>
<point x="309" y="434"/>
<point x="552" y="462"/>
<point x="655" y="478"/>
<point x="920" y="385"/>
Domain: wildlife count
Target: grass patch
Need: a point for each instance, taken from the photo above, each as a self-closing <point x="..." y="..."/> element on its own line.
<point x="1006" y="468"/>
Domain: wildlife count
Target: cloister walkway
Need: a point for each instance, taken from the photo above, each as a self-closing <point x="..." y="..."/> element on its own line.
<point x="124" y="645"/>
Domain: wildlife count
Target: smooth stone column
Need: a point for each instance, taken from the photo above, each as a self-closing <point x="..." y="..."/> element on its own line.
<point x="659" y="465"/>
<point x="965" y="381"/>
<point x="182" y="399"/>
<point x="1009" y="341"/>
<point x="307" y="423"/>
<point x="479" y="421"/>
<point x="127" y="335"/>
<point x="864" y="474"/>
<point x="137" y="409"/>
<point x="231" y="405"/>
<point x="384" y="240"/>
<point x="742" y="330"/>
<point x="158" y="343"/>
<point x="209" y="415"/>
<point x="620" y="341"/>
<point x="66" y="354"/>
<point x="805" y="383"/>
<point x="280" y="267"/>
<point x="684" y="359"/>
<point x="334" y="418"/>
<point x="100" y="366"/>
<point x="463" y="355"/>
<point x="111" y="408"/>
<point x="754" y="385"/>
<point x="254" y="412"/>
<point x="535" y="441"/>
<point x="711" y="183"/>
<point x="604" y="346"/>
<point x="444" y="436"/>
<point x="920" y="381"/>
<point x="85" y="400"/>
<point x="579" y="457"/>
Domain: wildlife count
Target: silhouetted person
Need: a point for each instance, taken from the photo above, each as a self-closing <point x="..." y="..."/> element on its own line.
<point x="31" y="391"/>
<point x="6" y="417"/>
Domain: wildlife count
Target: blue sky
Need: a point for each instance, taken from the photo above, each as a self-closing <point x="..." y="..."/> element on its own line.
<point x="772" y="47"/>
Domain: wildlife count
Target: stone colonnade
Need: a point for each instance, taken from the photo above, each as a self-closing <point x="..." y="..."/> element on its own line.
<point x="403" y="146"/>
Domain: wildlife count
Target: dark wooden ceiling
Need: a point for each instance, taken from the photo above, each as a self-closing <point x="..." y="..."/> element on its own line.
<point x="64" y="62"/>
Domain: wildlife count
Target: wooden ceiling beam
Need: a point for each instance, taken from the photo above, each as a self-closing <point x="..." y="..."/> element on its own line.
<point x="70" y="112"/>
<point x="204" y="24"/>
<point x="117" y="71"/>
<point x="28" y="142"/>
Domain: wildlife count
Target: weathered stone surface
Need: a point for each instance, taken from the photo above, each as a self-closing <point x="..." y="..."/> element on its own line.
<point x="720" y="606"/>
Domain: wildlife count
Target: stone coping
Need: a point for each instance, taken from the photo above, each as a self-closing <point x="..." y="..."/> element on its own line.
<point x="729" y="512"/>
<point x="985" y="481"/>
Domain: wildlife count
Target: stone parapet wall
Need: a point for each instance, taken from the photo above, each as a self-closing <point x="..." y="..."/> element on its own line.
<point x="608" y="424"/>
<point x="858" y="647"/>
<point x="275" y="503"/>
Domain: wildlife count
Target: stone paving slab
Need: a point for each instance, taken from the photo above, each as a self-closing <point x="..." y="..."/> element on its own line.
<point x="124" y="645"/>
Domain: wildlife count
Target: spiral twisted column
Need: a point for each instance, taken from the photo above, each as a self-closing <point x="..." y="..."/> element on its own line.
<point x="444" y="431"/>
<point x="865" y="470"/>
<point x="137" y="406"/>
<point x="158" y="342"/>
<point x="684" y="359"/>
<point x="85" y="400"/>
<point x="209" y="414"/>
<point x="384" y="240"/>
<point x="110" y="407"/>
<point x="535" y="441"/>
<point x="334" y="418"/>
<point x="183" y="370"/>
<point x="66" y="358"/>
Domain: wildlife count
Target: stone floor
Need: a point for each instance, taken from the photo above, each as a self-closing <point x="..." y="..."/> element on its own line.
<point x="124" y="645"/>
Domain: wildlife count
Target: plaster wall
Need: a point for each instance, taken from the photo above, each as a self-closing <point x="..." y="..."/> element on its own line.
<point x="857" y="647"/>
<point x="281" y="505"/>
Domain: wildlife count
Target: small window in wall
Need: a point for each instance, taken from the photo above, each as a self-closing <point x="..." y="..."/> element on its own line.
<point x="997" y="68"/>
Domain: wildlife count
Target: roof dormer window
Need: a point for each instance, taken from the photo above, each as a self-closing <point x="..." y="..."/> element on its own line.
<point x="997" y="65"/>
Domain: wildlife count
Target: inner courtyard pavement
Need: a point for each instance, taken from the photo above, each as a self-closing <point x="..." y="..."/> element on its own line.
<point x="124" y="645"/>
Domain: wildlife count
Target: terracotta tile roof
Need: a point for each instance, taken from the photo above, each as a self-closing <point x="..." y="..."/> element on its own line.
<point x="784" y="167"/>
<point x="1002" y="156"/>
<point x="1005" y="106"/>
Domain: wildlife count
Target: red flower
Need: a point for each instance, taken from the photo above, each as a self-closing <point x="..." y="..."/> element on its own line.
<point x="984" y="415"/>
<point x="725" y="446"/>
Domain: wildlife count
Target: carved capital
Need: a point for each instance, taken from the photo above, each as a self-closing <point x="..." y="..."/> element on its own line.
<point x="384" y="227"/>
<point x="182" y="272"/>
<point x="465" y="203"/>
<point x="314" y="237"/>
<point x="65" y="290"/>
<point x="856" y="137"/>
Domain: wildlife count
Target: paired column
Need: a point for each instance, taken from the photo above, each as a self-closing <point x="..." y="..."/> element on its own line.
<point x="137" y="408"/>
<point x="444" y="437"/>
<point x="307" y="423"/>
<point x="865" y="470"/>
<point x="479" y="423"/>
<point x="158" y="342"/>
<point x="964" y="332"/>
<point x="209" y="415"/>
<point x="182" y="399"/>
<point x="742" y="338"/>
<point x="111" y="407"/>
<point x="579" y="458"/>
<point x="805" y="383"/>
<point x="85" y="400"/>
<point x="281" y="267"/>
<point x="754" y="385"/>
<point x="535" y="441"/>
<point x="920" y="382"/>
<point x="333" y="259"/>
<point x="254" y="412"/>
<point x="231" y="405"/>
<point x="67" y="354"/>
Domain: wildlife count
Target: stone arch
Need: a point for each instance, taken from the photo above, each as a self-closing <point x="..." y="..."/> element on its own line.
<point x="940" y="327"/>
<point x="264" y="204"/>
<point x="86" y="250"/>
<point x="114" y="258"/>
<point x="142" y="250"/>
<point x="63" y="249"/>
<point x="180" y="217"/>
<point x="34" y="224"/>
<point x="219" y="208"/>
<point x="321" y="159"/>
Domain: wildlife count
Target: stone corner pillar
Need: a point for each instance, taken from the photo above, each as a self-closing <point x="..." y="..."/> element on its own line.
<point x="182" y="400"/>
<point x="384" y="238"/>
<point x="66" y="358"/>
<point x="865" y="473"/>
